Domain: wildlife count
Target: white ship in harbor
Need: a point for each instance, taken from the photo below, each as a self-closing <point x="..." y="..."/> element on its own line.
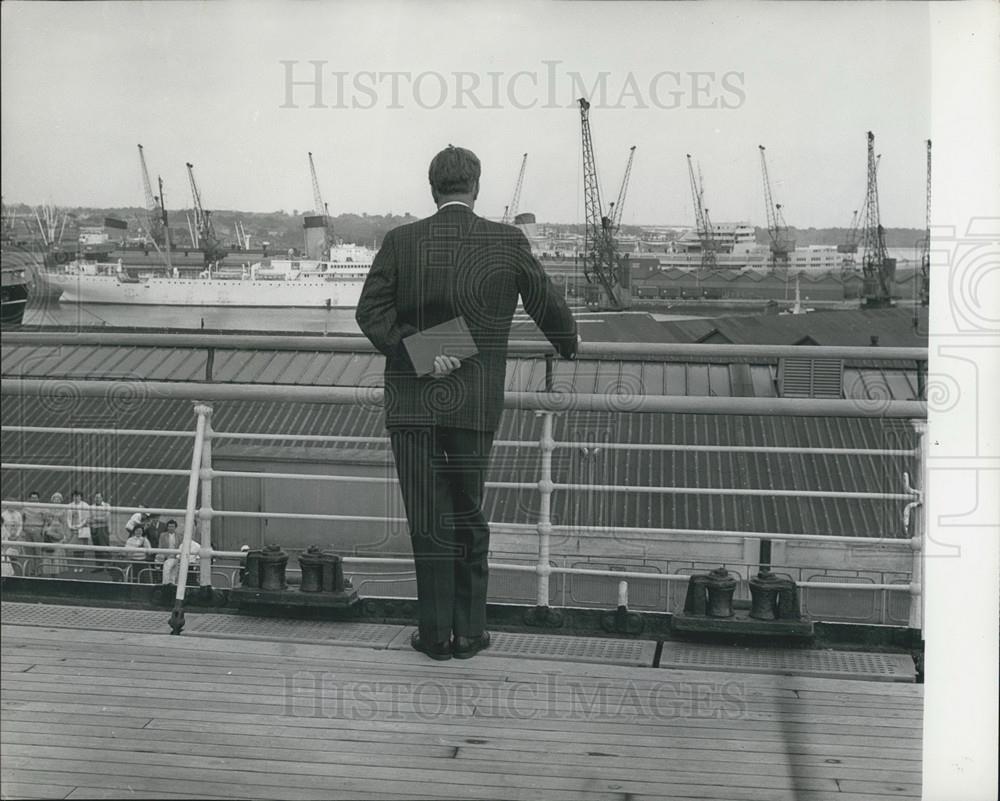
<point x="297" y="283"/>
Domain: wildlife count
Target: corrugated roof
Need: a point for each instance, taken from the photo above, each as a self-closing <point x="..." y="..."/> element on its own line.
<point x="893" y="327"/>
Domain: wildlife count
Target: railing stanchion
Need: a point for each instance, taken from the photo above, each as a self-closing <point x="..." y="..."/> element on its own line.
<point x="205" y="513"/>
<point x="919" y="529"/>
<point x="177" y="616"/>
<point x="542" y="614"/>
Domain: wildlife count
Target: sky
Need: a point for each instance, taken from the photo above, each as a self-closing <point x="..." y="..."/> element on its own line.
<point x="83" y="83"/>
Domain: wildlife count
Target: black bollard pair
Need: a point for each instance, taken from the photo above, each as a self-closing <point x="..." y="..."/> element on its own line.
<point x="322" y="571"/>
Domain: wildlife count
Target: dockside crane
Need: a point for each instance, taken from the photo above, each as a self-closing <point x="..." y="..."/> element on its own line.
<point x="601" y="266"/>
<point x="615" y="212"/>
<point x="925" y="256"/>
<point x="208" y="242"/>
<point x="165" y="225"/>
<point x="777" y="230"/>
<point x="877" y="268"/>
<point x="320" y="209"/>
<point x="153" y="221"/>
<point x="703" y="224"/>
<point x="510" y="211"/>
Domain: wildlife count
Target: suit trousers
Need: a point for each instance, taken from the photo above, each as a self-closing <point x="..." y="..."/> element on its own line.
<point x="442" y="472"/>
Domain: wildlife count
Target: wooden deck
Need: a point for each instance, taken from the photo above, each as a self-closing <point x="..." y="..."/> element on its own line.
<point x="99" y="714"/>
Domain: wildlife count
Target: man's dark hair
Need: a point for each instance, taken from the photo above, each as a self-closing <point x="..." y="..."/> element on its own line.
<point x="33" y="492"/>
<point x="172" y="522"/>
<point x="454" y="171"/>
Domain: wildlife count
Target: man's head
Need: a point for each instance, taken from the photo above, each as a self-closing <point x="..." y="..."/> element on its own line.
<point x="98" y="498"/>
<point x="171" y="525"/>
<point x="454" y="175"/>
<point x="77" y="495"/>
<point x="32" y="496"/>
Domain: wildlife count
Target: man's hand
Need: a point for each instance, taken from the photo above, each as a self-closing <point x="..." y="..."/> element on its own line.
<point x="445" y="365"/>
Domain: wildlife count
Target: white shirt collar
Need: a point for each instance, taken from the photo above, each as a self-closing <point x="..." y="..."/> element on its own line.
<point x="454" y="203"/>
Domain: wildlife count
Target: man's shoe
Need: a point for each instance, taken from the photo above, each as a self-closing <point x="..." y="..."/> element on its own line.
<point x="435" y="650"/>
<point x="468" y="647"/>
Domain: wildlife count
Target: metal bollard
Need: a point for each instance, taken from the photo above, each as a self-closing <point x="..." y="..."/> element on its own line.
<point x="773" y="597"/>
<point x="764" y="595"/>
<point x="272" y="562"/>
<point x="322" y="571"/>
<point x="720" y="593"/>
<point x="696" y="601"/>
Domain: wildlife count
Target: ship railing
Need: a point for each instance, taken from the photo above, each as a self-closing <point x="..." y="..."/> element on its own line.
<point x="199" y="512"/>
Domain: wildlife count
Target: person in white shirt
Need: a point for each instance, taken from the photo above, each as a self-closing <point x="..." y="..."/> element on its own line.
<point x="13" y="529"/>
<point x="172" y="565"/>
<point x="78" y="523"/>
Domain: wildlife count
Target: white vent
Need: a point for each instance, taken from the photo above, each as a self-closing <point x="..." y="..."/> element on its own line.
<point x="811" y="378"/>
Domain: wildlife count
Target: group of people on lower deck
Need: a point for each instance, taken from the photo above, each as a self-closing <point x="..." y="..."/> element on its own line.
<point x="84" y="524"/>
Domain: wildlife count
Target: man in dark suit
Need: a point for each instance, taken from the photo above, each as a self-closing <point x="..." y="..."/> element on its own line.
<point x="441" y="426"/>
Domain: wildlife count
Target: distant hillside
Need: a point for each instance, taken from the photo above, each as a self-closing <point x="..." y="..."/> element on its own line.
<point x="284" y="230"/>
<point x="281" y="229"/>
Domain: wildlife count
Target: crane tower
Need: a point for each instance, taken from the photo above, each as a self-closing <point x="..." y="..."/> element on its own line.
<point x="209" y="243"/>
<point x="608" y="278"/>
<point x="878" y="270"/>
<point x="318" y="230"/>
<point x="510" y="212"/>
<point x="925" y="256"/>
<point x="703" y="225"/>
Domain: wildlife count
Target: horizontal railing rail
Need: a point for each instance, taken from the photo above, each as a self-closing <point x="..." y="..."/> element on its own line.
<point x="530" y="401"/>
<point x="656" y="351"/>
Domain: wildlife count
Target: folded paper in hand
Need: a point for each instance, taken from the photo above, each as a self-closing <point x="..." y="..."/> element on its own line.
<point x="447" y="339"/>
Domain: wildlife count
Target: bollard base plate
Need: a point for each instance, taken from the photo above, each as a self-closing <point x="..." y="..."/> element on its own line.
<point x="293" y="598"/>
<point x="740" y="623"/>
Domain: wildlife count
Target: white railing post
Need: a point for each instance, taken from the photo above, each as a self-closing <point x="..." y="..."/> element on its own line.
<point x="205" y="512"/>
<point x="917" y="619"/>
<point x="177" y="616"/>
<point x="545" y="487"/>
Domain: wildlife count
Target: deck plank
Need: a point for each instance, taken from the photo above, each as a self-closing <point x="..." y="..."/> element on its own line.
<point x="266" y="719"/>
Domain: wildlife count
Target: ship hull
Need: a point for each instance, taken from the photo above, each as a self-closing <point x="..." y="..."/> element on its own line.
<point x="13" y="300"/>
<point x="206" y="292"/>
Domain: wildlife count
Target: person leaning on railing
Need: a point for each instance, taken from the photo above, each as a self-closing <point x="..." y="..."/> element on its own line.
<point x="441" y="427"/>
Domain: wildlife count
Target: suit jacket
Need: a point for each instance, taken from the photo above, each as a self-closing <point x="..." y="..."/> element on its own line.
<point x="456" y="263"/>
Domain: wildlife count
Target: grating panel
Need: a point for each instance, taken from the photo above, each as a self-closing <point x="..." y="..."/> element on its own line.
<point x="564" y="648"/>
<point x="83" y="617"/>
<point x="826" y="664"/>
<point x="142" y="620"/>
<point x="371" y="634"/>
